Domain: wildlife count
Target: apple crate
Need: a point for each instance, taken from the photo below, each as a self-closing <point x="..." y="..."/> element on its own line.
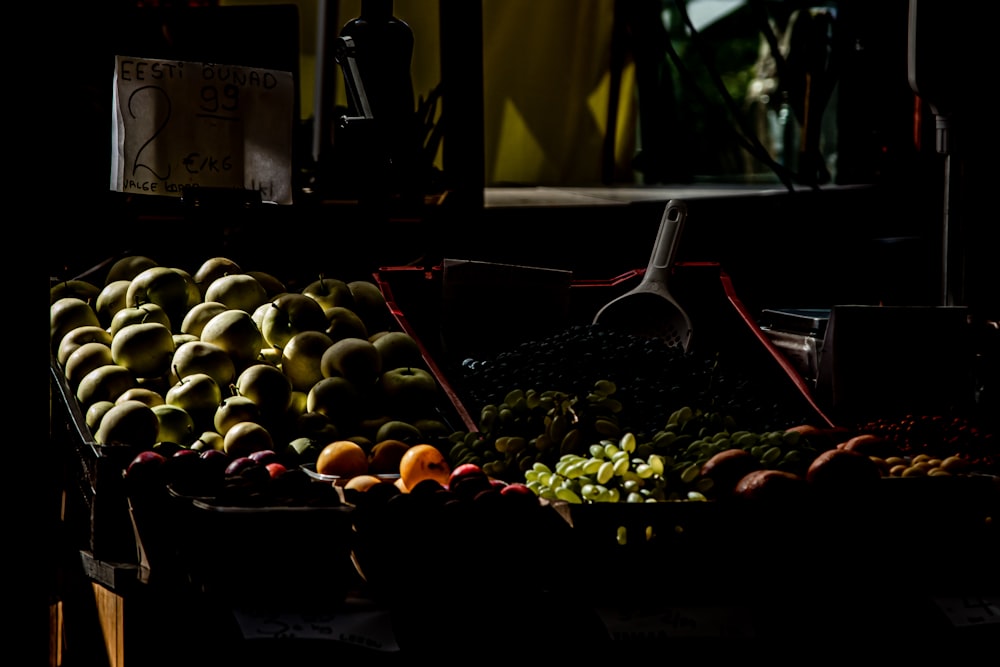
<point x="96" y="502"/>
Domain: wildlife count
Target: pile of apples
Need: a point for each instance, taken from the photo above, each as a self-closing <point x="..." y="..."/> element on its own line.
<point x="233" y="366"/>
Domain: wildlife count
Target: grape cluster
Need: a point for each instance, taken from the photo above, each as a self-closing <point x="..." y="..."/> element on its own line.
<point x="610" y="473"/>
<point x="653" y="378"/>
<point x="668" y="466"/>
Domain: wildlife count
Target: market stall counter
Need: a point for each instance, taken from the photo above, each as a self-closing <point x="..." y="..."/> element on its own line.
<point x="187" y="563"/>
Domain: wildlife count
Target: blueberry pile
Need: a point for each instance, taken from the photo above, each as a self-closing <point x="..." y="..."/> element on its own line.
<point x="653" y="379"/>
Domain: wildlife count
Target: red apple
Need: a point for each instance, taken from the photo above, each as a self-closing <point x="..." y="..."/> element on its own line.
<point x="264" y="456"/>
<point x="276" y="469"/>
<point x="146" y="469"/>
<point x="216" y="458"/>
<point x="238" y="465"/>
<point x="183" y="465"/>
<point x="517" y="488"/>
<point x="468" y="479"/>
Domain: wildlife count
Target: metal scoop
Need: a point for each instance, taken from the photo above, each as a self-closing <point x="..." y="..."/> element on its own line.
<point x="649" y="309"/>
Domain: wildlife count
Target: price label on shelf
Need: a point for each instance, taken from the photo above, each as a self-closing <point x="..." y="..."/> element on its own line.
<point x="184" y="125"/>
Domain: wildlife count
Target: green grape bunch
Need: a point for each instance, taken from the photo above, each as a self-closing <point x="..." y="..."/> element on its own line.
<point x="666" y="468"/>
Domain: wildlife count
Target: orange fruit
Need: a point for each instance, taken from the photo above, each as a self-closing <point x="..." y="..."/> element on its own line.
<point x="421" y="462"/>
<point x="362" y="482"/>
<point x="343" y="458"/>
<point x="385" y="456"/>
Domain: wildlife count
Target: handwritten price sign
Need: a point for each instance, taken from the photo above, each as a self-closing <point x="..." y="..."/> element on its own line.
<point x="182" y="124"/>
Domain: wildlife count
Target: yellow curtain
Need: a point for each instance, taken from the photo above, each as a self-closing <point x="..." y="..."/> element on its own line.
<point x="546" y="79"/>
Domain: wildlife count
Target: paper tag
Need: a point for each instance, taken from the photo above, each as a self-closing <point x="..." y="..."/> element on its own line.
<point x="370" y="628"/>
<point x="625" y="624"/>
<point x="182" y="124"/>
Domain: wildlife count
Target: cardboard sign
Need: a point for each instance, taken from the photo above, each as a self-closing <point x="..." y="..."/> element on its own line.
<point x="184" y="125"/>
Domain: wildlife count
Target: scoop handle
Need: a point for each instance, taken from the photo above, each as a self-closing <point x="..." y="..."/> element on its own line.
<point x="667" y="239"/>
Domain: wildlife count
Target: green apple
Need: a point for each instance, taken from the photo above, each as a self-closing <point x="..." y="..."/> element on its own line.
<point x="272" y="285"/>
<point x="194" y="294"/>
<point x="130" y="423"/>
<point x="209" y="439"/>
<point x="289" y="314"/>
<point x="370" y="305"/>
<point x="329" y="292"/>
<point x="79" y="336"/>
<point x="432" y="428"/>
<point x="199" y="356"/>
<point x="399" y="429"/>
<point x="148" y="312"/>
<point x="110" y="300"/>
<point x="409" y="390"/>
<point x="268" y="387"/>
<point x="270" y="355"/>
<point x="196" y="318"/>
<point x="296" y="408"/>
<point x="316" y="426"/>
<point x="212" y="268"/>
<point x="337" y="398"/>
<point x="245" y="438"/>
<point x="237" y="291"/>
<point x="81" y="289"/>
<point x="159" y="384"/>
<point x="84" y="359"/>
<point x="233" y="410"/>
<point x="258" y="316"/>
<point x="342" y="322"/>
<point x="145" y="395"/>
<point x="301" y="357"/>
<point x="199" y="395"/>
<point x="398" y="349"/>
<point x="355" y="359"/>
<point x="128" y="267"/>
<point x="163" y="286"/>
<point x="304" y="449"/>
<point x="235" y="332"/>
<point x="104" y="383"/>
<point x="297" y="404"/>
<point x="176" y="424"/>
<point x="181" y="338"/>
<point x="67" y="314"/>
<point x="146" y="349"/>
<point x="95" y="413"/>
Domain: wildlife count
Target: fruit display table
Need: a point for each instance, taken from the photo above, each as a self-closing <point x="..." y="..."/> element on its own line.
<point x="728" y="584"/>
<point x="180" y="564"/>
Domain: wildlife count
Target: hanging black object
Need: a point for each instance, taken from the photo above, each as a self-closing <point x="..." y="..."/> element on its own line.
<point x="376" y="50"/>
<point x="938" y="61"/>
